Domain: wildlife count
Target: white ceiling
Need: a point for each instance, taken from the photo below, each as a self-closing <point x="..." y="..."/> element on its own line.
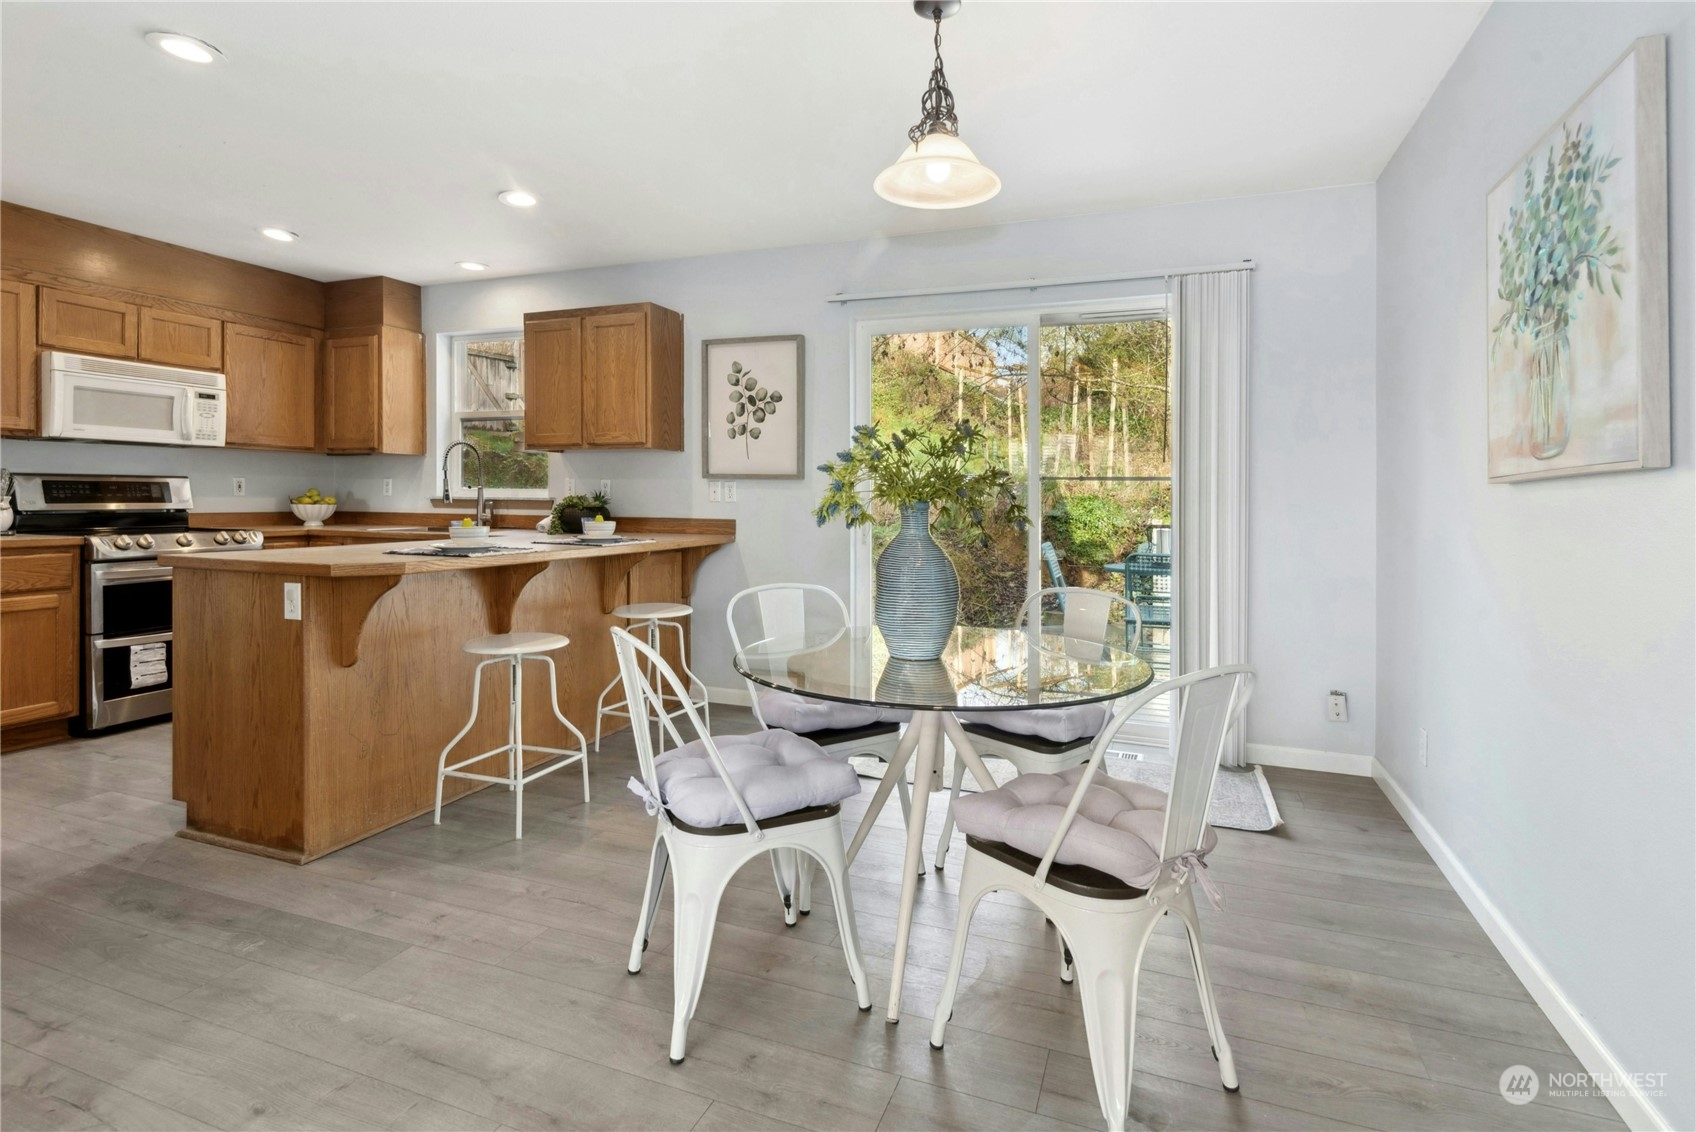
<point x="381" y="132"/>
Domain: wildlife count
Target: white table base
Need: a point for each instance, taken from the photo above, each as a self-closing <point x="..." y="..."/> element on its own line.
<point x="923" y="738"/>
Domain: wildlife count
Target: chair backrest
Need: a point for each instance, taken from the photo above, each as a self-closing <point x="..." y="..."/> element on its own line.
<point x="1209" y="702"/>
<point x="644" y="703"/>
<point x="782" y="615"/>
<point x="1085" y="613"/>
<point x="1052" y="560"/>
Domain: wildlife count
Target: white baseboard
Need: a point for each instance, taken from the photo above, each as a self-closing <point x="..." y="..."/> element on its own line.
<point x="737" y="697"/>
<point x="1637" y="1110"/>
<point x="1302" y="758"/>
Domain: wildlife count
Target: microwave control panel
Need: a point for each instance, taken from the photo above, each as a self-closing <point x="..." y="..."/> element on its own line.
<point x="207" y="417"/>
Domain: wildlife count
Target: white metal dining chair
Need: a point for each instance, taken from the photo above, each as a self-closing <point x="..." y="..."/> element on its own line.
<point x="718" y="803"/>
<point x="1094" y="872"/>
<point x="799" y="615"/>
<point x="1045" y="740"/>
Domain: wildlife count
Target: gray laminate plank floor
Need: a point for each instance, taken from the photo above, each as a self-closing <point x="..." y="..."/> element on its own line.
<point x="451" y="978"/>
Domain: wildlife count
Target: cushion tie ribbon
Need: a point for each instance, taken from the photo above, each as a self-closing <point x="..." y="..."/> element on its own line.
<point x="1193" y="863"/>
<point x="649" y="802"/>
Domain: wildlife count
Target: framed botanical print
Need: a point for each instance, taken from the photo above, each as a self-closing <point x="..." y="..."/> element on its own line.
<point x="751" y="408"/>
<point x="1576" y="280"/>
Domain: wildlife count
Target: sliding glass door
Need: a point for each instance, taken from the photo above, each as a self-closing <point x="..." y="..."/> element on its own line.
<point x="1096" y="428"/>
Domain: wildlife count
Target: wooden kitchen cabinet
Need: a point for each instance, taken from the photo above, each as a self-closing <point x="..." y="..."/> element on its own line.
<point x="374" y="392"/>
<point x="169" y="338"/>
<point x="604" y="377"/>
<point x="270" y="388"/>
<point x="372" y="383"/>
<point x="40" y="630"/>
<point x="87" y="324"/>
<point x="20" y="383"/>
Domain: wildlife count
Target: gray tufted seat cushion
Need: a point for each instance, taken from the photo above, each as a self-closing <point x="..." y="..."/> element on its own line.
<point x="776" y="771"/>
<point x="1117" y="830"/>
<point x="802" y="714"/>
<point x="1056" y="724"/>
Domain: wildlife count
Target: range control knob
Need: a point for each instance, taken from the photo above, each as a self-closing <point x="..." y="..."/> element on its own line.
<point x="240" y="536"/>
<point x="221" y="538"/>
<point x="122" y="542"/>
<point x="145" y="542"/>
<point x="185" y="539"/>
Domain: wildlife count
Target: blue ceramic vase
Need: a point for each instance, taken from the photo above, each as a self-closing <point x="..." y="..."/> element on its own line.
<point x="918" y="593"/>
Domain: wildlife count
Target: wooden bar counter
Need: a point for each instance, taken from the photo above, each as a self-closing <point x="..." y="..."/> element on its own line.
<point x="293" y="738"/>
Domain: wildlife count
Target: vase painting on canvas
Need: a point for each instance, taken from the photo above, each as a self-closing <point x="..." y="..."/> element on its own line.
<point x="1576" y="284"/>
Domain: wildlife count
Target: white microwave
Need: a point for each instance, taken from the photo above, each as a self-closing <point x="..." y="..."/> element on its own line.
<point x="87" y="398"/>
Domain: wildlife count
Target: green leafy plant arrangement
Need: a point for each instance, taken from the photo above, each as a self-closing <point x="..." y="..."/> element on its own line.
<point x="1553" y="241"/>
<point x="946" y="468"/>
<point x="570" y="510"/>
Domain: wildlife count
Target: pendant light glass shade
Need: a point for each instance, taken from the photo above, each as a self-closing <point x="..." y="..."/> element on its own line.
<point x="937" y="171"/>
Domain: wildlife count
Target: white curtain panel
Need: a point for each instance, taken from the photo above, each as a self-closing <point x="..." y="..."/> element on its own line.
<point x="1210" y="351"/>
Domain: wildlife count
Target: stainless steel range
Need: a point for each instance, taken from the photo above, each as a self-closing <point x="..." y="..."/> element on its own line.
<point x="126" y="523"/>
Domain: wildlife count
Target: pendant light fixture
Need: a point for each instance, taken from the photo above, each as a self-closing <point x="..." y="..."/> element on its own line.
<point x="937" y="169"/>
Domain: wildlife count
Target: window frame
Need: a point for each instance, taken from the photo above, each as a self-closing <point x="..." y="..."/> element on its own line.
<point x="458" y="348"/>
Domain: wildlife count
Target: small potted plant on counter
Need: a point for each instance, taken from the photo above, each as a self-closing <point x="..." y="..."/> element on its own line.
<point x="569" y="513"/>
<point x="915" y="470"/>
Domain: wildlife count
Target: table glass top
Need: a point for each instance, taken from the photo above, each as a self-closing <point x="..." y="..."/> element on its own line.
<point x="980" y="670"/>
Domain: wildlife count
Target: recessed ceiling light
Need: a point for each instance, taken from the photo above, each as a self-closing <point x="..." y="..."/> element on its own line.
<point x="280" y="234"/>
<point x="184" y="47"/>
<point x="472" y="265"/>
<point x="517" y="198"/>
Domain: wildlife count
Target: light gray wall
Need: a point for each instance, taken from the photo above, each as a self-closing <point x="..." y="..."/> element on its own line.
<point x="1311" y="463"/>
<point x="1541" y="632"/>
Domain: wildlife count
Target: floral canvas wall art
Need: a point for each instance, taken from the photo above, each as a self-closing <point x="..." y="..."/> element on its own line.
<point x="1577" y="286"/>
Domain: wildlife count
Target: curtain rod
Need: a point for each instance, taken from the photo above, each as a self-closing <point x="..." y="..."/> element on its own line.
<point x="1034" y="284"/>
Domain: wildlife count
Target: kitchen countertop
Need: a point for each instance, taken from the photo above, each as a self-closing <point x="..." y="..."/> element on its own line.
<point x="369" y="561"/>
<point x="39" y="542"/>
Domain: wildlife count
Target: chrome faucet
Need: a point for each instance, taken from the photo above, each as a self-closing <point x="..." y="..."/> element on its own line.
<point x="447" y="483"/>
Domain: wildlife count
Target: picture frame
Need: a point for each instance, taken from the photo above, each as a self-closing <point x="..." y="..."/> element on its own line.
<point x="1577" y="371"/>
<point x="752" y="422"/>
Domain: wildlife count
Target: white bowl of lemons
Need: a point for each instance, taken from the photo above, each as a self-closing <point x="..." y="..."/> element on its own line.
<point x="313" y="508"/>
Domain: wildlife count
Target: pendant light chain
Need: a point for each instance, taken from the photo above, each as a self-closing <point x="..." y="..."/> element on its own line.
<point x="936" y="109"/>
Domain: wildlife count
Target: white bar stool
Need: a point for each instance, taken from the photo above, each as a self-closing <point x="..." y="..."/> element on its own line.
<point x="513" y="649"/>
<point x="655" y="616"/>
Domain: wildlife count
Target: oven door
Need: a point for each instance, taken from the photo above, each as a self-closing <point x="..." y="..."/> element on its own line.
<point x="127" y="649"/>
<point x="128" y="599"/>
<point x="129" y="679"/>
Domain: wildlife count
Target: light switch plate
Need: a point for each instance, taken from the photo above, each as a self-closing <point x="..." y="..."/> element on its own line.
<point x="240" y="483"/>
<point x="291" y="601"/>
<point x="715" y="491"/>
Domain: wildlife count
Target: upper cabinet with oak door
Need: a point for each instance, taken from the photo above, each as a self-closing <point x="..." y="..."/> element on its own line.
<point x="19" y="387"/>
<point x="88" y="324"/>
<point x="171" y="338"/>
<point x="271" y="382"/>
<point x="604" y="377"/>
<point x="373" y="377"/>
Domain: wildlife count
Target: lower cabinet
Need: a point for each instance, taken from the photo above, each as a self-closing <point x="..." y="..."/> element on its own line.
<point x="40" y="626"/>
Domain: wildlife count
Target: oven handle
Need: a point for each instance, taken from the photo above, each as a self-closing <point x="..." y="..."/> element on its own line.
<point x="120" y="573"/>
<point x="126" y="642"/>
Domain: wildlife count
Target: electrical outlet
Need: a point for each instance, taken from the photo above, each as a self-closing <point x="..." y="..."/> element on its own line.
<point x="240" y="485"/>
<point x="388" y="487"/>
<point x="730" y="491"/>
<point x="1424" y="747"/>
<point x="606" y="488"/>
<point x="1337" y="707"/>
<point x="715" y="491"/>
<point x="291" y="601"/>
<point x="568" y="486"/>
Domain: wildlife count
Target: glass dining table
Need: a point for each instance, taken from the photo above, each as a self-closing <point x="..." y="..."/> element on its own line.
<point x="982" y="671"/>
